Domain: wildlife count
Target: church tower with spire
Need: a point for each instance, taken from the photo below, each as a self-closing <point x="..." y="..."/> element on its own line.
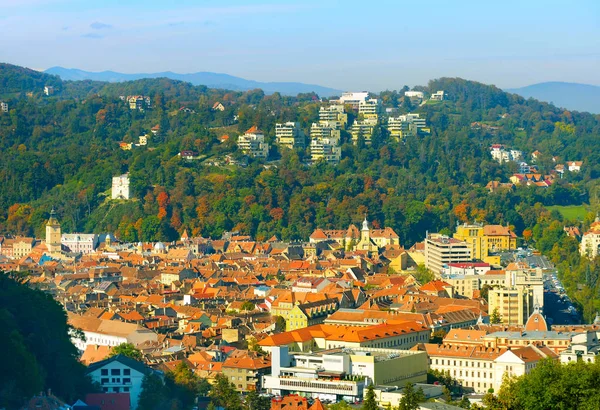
<point x="53" y="234"/>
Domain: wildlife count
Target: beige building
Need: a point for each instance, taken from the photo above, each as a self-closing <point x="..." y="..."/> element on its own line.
<point x="246" y="372"/>
<point x="290" y="135"/>
<point x="590" y="241"/>
<point x="253" y="143"/>
<point x="22" y="246"/>
<point x="334" y="116"/>
<point x="369" y="108"/>
<point x="363" y="129"/>
<point x="441" y="250"/>
<point x="480" y="368"/>
<point x="408" y="125"/>
<point x="352" y="239"/>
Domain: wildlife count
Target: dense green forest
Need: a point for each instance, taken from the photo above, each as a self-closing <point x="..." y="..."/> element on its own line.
<point x="37" y="353"/>
<point x="62" y="151"/>
<point x="550" y="385"/>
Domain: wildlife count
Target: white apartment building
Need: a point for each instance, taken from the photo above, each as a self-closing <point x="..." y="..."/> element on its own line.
<point x="363" y="129"/>
<point x="342" y="374"/>
<point x="79" y="242"/>
<point x="408" y="125"/>
<point x="325" y="130"/>
<point x="120" y="374"/>
<point x="416" y="97"/>
<point x="4" y="107"/>
<point x="325" y="148"/>
<point x="290" y="135"/>
<point x="120" y="187"/>
<point x="333" y="116"/>
<point x="440" y="250"/>
<point x="353" y="98"/>
<point x="253" y="143"/>
<point x="438" y="96"/>
<point x="369" y="108"/>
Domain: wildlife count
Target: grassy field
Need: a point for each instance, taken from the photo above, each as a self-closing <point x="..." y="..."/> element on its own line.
<point x="571" y="212"/>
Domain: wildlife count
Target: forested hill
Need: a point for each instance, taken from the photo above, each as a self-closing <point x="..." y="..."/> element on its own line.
<point x="62" y="150"/>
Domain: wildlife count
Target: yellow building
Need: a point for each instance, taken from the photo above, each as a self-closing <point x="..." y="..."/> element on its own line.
<point x="486" y="239"/>
<point x="514" y="305"/>
<point x="312" y="313"/>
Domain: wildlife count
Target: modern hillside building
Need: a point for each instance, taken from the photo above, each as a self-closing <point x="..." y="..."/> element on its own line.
<point x="441" y="250"/>
<point x="290" y="135"/>
<point x="253" y="143"/>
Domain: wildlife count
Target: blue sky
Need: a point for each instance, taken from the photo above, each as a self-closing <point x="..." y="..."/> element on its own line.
<point x="371" y="45"/>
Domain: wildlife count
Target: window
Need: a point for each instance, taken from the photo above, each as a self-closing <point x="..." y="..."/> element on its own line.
<point x="104" y="380"/>
<point x="125" y="389"/>
<point x="126" y="372"/>
<point x="104" y="372"/>
<point x="115" y="389"/>
<point x="115" y="372"/>
<point x="127" y="381"/>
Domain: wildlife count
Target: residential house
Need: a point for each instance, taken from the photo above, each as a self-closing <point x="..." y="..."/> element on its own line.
<point x="120" y="374"/>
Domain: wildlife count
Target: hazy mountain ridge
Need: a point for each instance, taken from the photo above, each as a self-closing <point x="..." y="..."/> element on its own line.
<point x="209" y="79"/>
<point x="572" y="96"/>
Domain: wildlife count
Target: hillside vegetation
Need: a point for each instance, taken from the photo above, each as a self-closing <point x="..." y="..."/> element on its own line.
<point x="62" y="151"/>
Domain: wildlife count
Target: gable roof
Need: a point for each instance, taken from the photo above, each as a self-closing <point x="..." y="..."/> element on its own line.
<point x="134" y="364"/>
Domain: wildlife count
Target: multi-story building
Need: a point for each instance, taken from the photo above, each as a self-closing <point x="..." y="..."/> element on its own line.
<point x="103" y="332"/>
<point x="466" y="284"/>
<point x="3" y="106"/>
<point x="253" y="143"/>
<point x="22" y="246"/>
<point x="480" y="368"/>
<point x="353" y="98"/>
<point x="325" y="129"/>
<point x="441" y="250"/>
<point x="334" y="116"/>
<point x="353" y="239"/>
<point x="486" y="239"/>
<point x="325" y="149"/>
<point x="79" y="242"/>
<point x="369" y="108"/>
<point x="120" y="187"/>
<point x="437" y="96"/>
<point x="290" y="135"/>
<point x="120" y="374"/>
<point x="329" y="336"/>
<point x="48" y="90"/>
<point x="363" y="129"/>
<point x="311" y="313"/>
<point x="246" y="372"/>
<point x="343" y="374"/>
<point x="408" y="125"/>
<point x="590" y="241"/>
<point x="416" y="97"/>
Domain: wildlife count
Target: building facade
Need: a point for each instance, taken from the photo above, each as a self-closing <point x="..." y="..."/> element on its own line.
<point x="120" y="187"/>
<point x="290" y="135"/>
<point x="441" y="250"/>
<point x="253" y="144"/>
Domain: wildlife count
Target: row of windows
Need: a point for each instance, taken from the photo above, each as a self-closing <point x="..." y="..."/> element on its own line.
<point x="114" y="380"/>
<point x="460" y="363"/>
<point x="115" y="372"/>
<point x="115" y="389"/>
<point x="314" y="386"/>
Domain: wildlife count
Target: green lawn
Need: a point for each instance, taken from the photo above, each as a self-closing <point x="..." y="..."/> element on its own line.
<point x="571" y="212"/>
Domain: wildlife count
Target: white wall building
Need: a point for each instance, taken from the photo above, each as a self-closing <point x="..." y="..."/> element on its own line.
<point x="79" y="242"/>
<point x="4" y="106"/>
<point x="353" y="98"/>
<point x="253" y="143"/>
<point x="290" y="135"/>
<point x="120" y="374"/>
<point x="120" y="187"/>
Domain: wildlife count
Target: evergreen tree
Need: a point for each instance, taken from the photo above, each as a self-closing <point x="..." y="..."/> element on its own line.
<point x="411" y="397"/>
<point x="127" y="349"/>
<point x="370" y="403"/>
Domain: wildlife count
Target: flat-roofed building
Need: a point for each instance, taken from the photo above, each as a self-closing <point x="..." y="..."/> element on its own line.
<point x="343" y="374"/>
<point x="440" y="250"/>
<point x="363" y="129"/>
<point x="369" y="108"/>
<point x="333" y="115"/>
<point x="290" y="135"/>
<point x="408" y="125"/>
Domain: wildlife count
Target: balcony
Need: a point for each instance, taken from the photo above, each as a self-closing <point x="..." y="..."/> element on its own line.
<point x="325" y="386"/>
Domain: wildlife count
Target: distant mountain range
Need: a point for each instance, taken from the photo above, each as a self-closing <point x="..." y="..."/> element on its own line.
<point x="211" y="80"/>
<point x="572" y="96"/>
